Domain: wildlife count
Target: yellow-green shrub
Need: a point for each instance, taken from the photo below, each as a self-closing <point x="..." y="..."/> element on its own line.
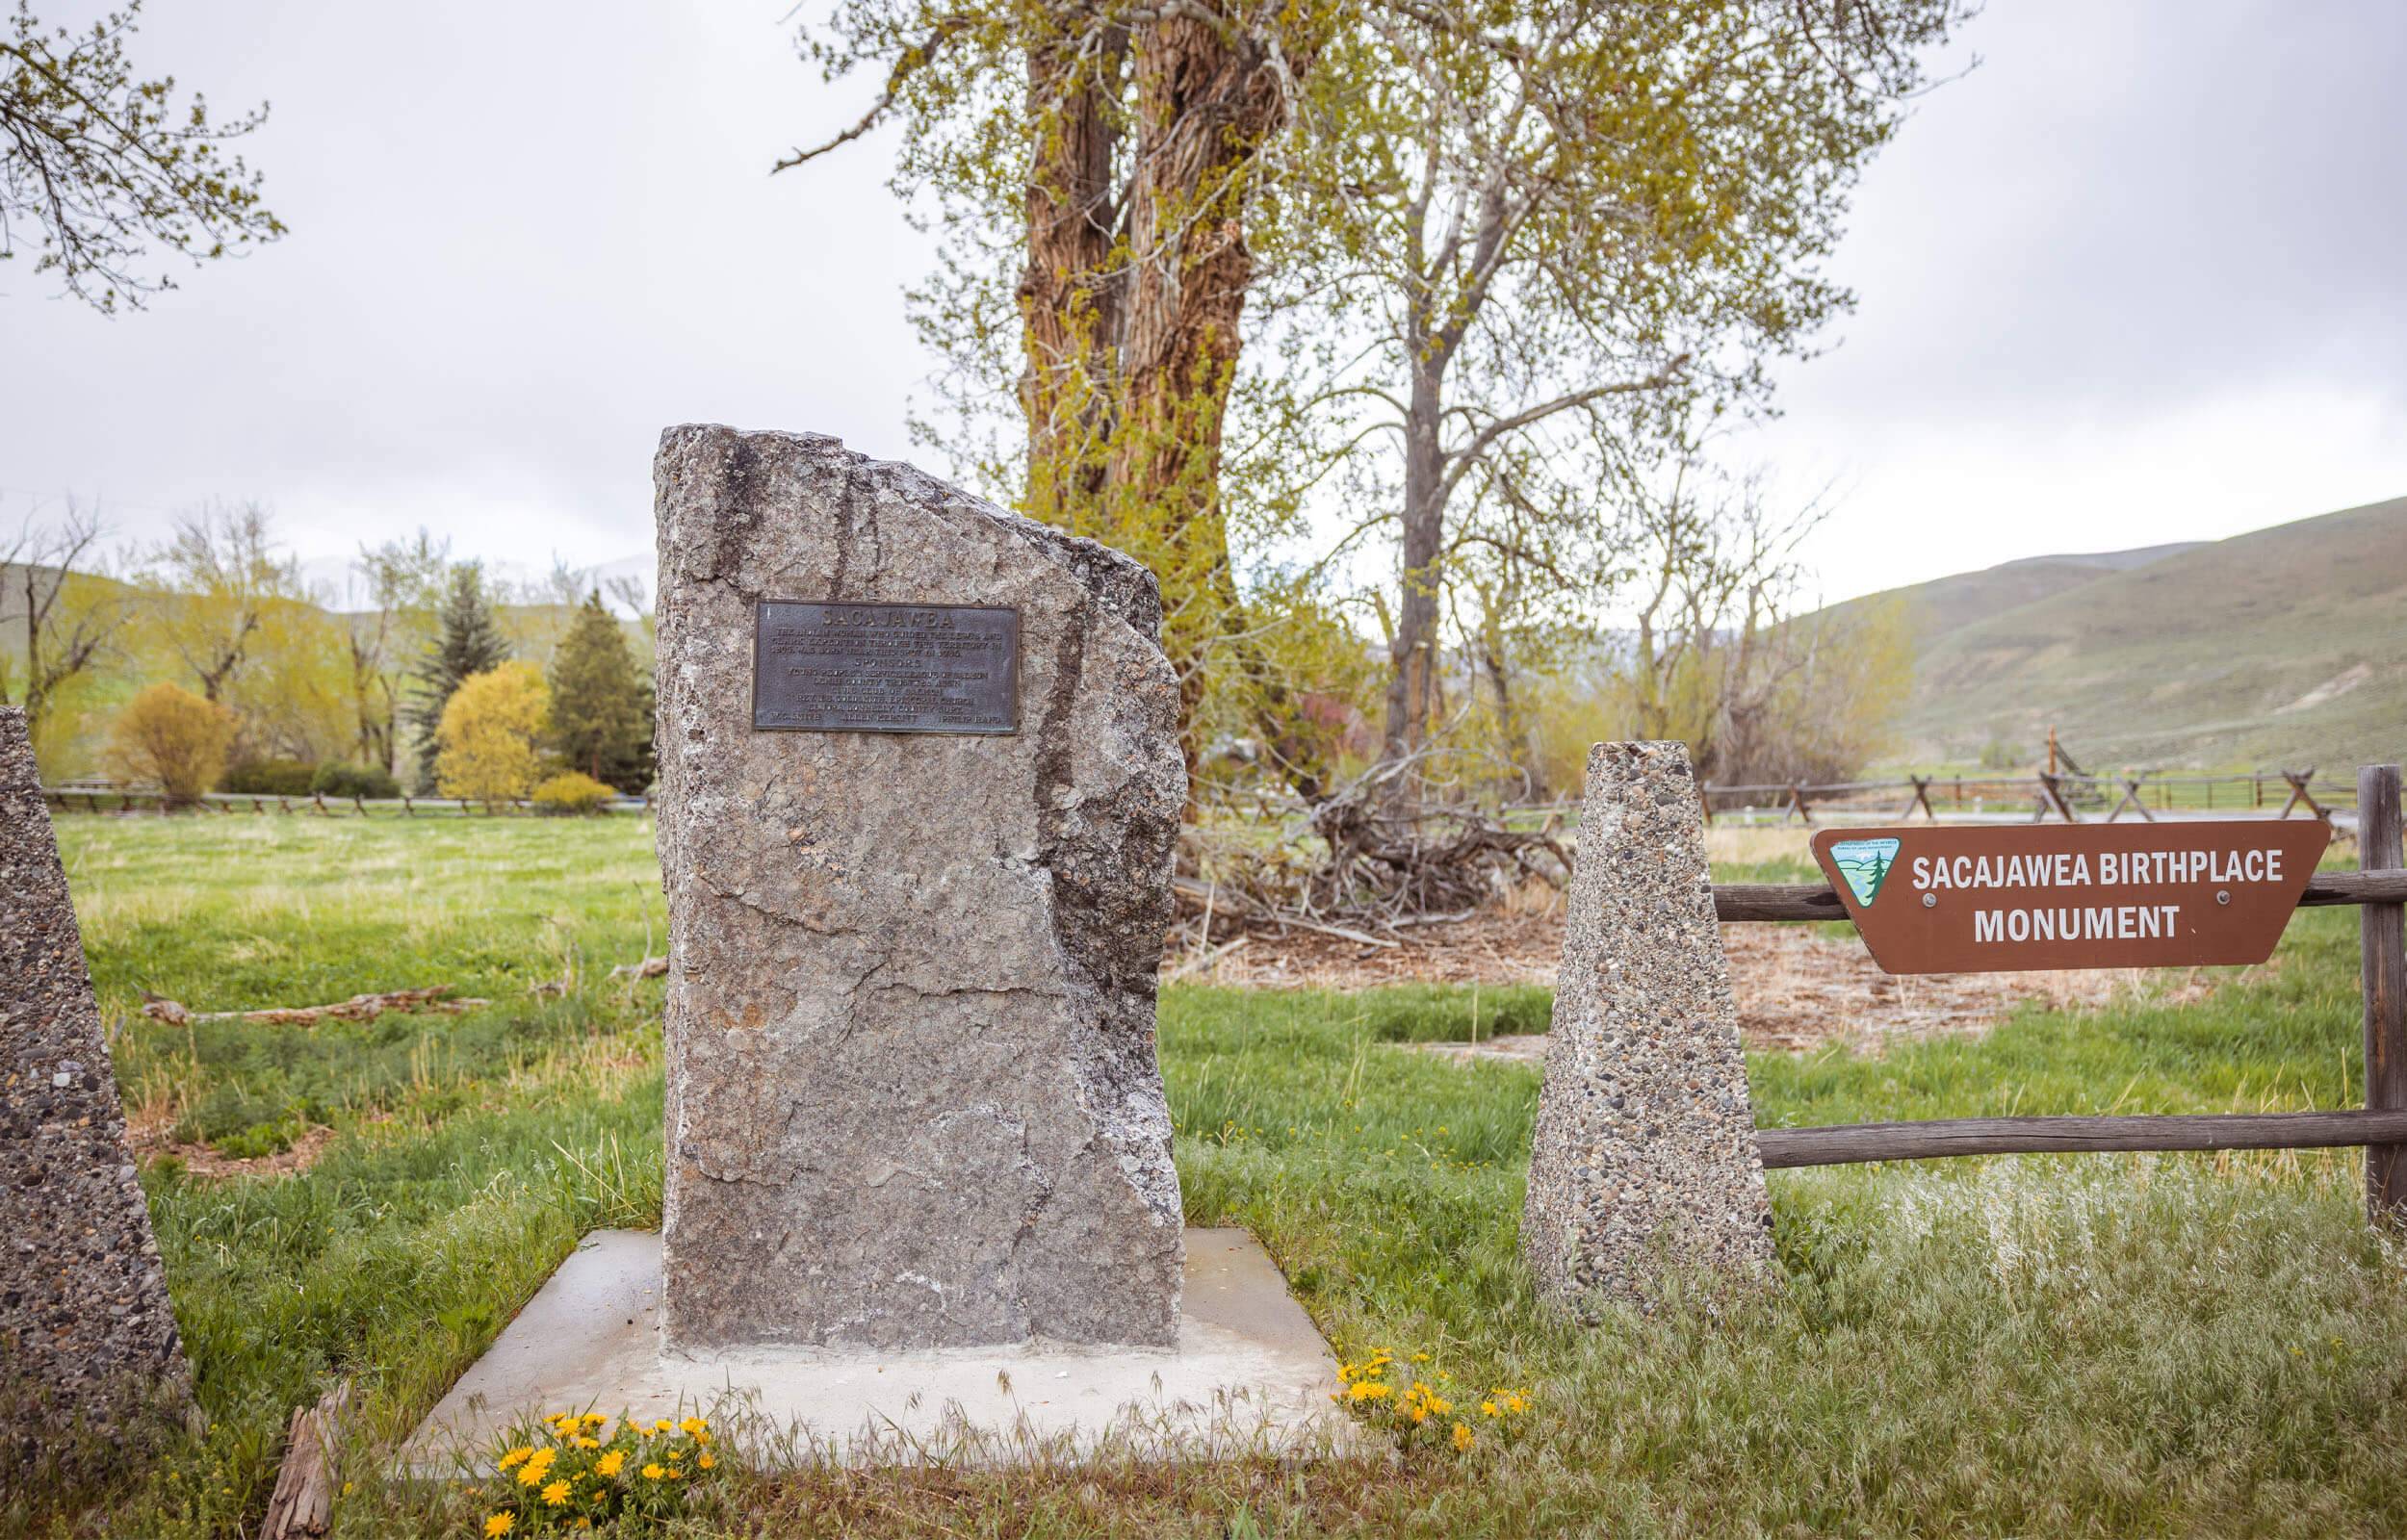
<point x="572" y="792"/>
<point x="489" y="732"/>
<point x="168" y="734"/>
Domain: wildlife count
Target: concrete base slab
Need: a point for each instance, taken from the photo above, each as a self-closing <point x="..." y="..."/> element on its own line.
<point x="1250" y="1374"/>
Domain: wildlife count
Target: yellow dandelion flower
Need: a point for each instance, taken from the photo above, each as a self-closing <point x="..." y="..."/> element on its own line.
<point x="557" y="1494"/>
<point x="653" y="1472"/>
<point x="692" y="1424"/>
<point x="516" y="1457"/>
<point x="1488" y="1408"/>
<point x="708" y="1460"/>
<point x="703" y="1439"/>
<point x="1367" y="1391"/>
<point x="530" y="1474"/>
<point x="498" y="1524"/>
<point x="608" y="1464"/>
<point x="1420" y="1358"/>
<point x="584" y="1443"/>
<point x="1464" y="1437"/>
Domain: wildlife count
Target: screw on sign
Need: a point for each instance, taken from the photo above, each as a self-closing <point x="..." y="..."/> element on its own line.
<point x="1938" y="900"/>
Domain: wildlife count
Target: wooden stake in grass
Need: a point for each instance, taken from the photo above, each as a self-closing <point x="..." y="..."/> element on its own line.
<point x="2384" y="974"/>
<point x="303" y="1503"/>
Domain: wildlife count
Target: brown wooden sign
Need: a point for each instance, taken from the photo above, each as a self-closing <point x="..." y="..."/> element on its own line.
<point x="1980" y="900"/>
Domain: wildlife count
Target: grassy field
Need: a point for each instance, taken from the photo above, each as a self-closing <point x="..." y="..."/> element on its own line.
<point x="2169" y="1345"/>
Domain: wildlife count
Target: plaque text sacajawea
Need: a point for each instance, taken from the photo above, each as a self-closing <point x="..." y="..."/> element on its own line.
<point x="1934" y="900"/>
<point x="885" y="668"/>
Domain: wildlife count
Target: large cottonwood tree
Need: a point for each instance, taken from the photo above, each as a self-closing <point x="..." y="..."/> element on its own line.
<point x="1097" y="164"/>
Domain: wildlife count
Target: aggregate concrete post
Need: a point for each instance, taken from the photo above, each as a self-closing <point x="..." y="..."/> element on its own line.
<point x="1643" y="1159"/>
<point x="88" y="1340"/>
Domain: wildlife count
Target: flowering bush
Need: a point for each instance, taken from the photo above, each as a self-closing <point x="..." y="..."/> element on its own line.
<point x="1418" y="1402"/>
<point x="572" y="792"/>
<point x="572" y="1476"/>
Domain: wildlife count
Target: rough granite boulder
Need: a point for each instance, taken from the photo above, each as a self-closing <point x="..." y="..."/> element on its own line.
<point x="913" y="1097"/>
<point x="88" y="1342"/>
<point x="1644" y="1160"/>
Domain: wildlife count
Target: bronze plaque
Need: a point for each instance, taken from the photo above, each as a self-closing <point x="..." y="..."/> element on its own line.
<point x="885" y="668"/>
<point x="1980" y="900"/>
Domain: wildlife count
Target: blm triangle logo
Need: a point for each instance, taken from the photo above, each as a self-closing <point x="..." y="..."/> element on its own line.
<point x="1864" y="863"/>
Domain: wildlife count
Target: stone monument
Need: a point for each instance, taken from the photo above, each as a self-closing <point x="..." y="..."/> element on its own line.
<point x="88" y="1342"/>
<point x="1643" y="1159"/>
<point x="920" y="783"/>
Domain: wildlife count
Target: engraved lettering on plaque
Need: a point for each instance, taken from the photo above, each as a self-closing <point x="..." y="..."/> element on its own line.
<point x="885" y="668"/>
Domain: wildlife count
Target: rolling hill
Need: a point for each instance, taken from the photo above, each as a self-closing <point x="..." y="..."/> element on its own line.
<point x="2283" y="647"/>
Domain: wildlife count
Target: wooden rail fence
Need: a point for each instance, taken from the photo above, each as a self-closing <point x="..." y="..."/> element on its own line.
<point x="2073" y="797"/>
<point x="2378" y="889"/>
<point x="136" y="799"/>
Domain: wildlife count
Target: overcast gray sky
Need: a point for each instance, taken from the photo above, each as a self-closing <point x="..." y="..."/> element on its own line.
<point x="2137" y="278"/>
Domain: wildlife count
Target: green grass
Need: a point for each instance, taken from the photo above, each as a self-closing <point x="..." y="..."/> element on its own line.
<point x="2148" y="1345"/>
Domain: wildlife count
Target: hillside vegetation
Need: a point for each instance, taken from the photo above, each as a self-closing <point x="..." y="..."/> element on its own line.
<point x="2283" y="647"/>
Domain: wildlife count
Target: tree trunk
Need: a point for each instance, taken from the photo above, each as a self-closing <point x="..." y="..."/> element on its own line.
<point x="1413" y="654"/>
<point x="1203" y="110"/>
<point x="1069" y="292"/>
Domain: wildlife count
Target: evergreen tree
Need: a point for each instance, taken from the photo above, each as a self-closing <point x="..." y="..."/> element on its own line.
<point x="468" y="643"/>
<point x="601" y="707"/>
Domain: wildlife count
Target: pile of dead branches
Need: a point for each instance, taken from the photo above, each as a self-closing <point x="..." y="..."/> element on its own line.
<point x="1362" y="863"/>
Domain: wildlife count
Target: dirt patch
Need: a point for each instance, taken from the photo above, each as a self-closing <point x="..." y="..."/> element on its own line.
<point x="151" y="1141"/>
<point x="1796" y="987"/>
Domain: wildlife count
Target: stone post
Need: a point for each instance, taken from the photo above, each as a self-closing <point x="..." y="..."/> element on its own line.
<point x="88" y="1342"/>
<point x="1643" y="1159"/>
<point x="920" y="783"/>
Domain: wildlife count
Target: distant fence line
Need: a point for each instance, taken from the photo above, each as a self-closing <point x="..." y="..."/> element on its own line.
<point x="101" y="798"/>
<point x="2038" y="797"/>
<point x="2070" y="798"/>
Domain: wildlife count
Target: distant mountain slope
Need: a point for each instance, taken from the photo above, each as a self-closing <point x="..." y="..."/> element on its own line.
<point x="2286" y="645"/>
<point x="1947" y="604"/>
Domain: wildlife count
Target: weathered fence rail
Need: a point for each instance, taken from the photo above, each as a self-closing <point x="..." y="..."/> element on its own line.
<point x="1848" y="1143"/>
<point x="2379" y="887"/>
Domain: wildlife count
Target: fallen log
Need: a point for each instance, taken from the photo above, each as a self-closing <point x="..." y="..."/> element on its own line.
<point x="651" y="967"/>
<point x="358" y="1007"/>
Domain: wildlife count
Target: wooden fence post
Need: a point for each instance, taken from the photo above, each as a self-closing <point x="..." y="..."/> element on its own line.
<point x="2385" y="970"/>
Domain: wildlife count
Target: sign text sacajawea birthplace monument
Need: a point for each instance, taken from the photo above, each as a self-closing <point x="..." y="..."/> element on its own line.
<point x="87" y="1338"/>
<point x="2189" y="894"/>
